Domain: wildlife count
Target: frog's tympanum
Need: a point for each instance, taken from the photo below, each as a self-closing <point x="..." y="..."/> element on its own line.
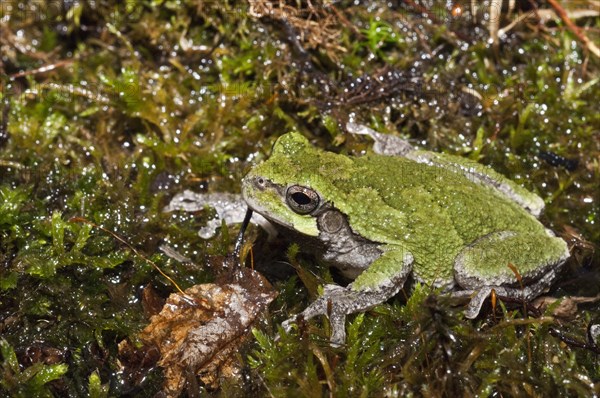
<point x="443" y="220"/>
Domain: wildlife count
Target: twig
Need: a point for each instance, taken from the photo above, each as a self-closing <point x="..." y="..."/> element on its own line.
<point x="4" y="122"/>
<point x="133" y="249"/>
<point x="545" y="15"/>
<point x="494" y="25"/>
<point x="45" y="68"/>
<point x="574" y="28"/>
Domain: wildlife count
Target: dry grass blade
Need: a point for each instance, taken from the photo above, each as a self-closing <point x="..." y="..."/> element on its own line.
<point x="316" y="24"/>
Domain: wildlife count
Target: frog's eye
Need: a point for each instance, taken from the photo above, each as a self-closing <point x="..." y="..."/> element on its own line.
<point x="301" y="199"/>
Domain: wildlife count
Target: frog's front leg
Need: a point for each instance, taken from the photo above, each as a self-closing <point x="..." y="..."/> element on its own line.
<point x="483" y="266"/>
<point x="381" y="281"/>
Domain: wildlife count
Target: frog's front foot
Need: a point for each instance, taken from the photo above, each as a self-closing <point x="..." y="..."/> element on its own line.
<point x="336" y="302"/>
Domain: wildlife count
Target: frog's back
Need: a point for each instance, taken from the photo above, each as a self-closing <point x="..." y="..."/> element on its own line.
<point x="473" y="209"/>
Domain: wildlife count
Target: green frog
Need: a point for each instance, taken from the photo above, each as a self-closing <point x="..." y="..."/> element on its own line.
<point x="442" y="220"/>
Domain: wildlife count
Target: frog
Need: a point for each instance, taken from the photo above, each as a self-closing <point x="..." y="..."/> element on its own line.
<point x="437" y="219"/>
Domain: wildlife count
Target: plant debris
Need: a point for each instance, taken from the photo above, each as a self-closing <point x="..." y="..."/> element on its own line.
<point x="111" y="108"/>
<point x="200" y="333"/>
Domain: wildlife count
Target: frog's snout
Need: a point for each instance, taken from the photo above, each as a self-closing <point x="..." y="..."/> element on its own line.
<point x="253" y="185"/>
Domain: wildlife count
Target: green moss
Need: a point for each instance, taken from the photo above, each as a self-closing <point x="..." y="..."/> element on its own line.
<point x="32" y="381"/>
<point x="136" y="101"/>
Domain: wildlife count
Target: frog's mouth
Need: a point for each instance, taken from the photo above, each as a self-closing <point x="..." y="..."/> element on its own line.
<point x="268" y="199"/>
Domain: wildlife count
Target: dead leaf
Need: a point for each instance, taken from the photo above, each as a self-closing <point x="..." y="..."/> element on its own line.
<point x="200" y="332"/>
<point x="567" y="308"/>
<point x="135" y="364"/>
<point x="151" y="301"/>
<point x="579" y="247"/>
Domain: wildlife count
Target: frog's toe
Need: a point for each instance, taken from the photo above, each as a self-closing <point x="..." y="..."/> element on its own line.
<point x="337" y="322"/>
<point x="477" y="300"/>
<point x="331" y="296"/>
<point x="335" y="303"/>
<point x="287" y="325"/>
<point x="474" y="306"/>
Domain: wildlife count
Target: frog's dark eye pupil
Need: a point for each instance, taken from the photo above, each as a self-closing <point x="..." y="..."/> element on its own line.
<point x="302" y="200"/>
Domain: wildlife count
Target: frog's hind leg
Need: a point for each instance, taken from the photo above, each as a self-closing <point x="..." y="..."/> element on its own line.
<point x="524" y="293"/>
<point x="484" y="265"/>
<point x="381" y="281"/>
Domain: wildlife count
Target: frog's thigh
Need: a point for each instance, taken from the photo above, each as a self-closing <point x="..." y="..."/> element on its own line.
<point x="483" y="266"/>
<point x="485" y="262"/>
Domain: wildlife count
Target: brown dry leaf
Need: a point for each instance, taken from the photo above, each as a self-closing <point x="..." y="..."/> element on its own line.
<point x="135" y="364"/>
<point x="567" y="308"/>
<point x="201" y="331"/>
<point x="152" y="303"/>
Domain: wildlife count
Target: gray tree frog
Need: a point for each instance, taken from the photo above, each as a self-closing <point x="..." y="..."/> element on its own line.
<point x="446" y="221"/>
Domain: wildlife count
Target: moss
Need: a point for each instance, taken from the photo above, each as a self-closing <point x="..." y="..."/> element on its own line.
<point x="110" y="108"/>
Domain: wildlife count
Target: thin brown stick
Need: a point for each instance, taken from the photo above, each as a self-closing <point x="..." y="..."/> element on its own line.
<point x="43" y="69"/>
<point x="133" y="249"/>
<point x="574" y="28"/>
